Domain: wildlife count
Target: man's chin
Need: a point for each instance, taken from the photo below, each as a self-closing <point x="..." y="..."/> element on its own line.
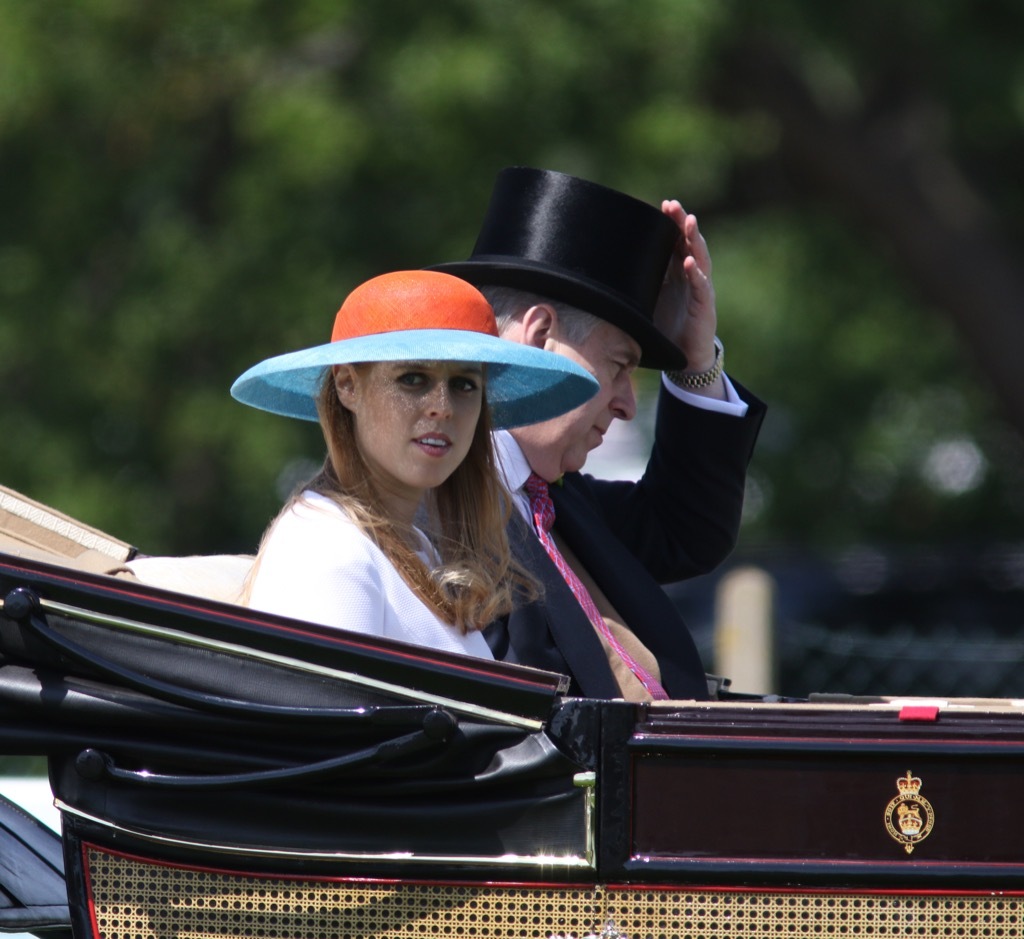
<point x="574" y="465"/>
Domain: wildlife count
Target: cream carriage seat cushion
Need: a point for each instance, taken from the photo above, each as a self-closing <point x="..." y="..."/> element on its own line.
<point x="212" y="576"/>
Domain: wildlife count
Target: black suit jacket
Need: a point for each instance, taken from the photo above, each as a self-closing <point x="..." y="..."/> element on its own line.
<point x="681" y="519"/>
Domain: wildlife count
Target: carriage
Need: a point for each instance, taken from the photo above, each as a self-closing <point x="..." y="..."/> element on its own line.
<point x="222" y="772"/>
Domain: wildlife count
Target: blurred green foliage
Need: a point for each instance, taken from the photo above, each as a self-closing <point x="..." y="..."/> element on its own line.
<point x="188" y="187"/>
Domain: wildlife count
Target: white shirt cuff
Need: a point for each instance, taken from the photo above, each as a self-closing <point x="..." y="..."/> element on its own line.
<point x="733" y="404"/>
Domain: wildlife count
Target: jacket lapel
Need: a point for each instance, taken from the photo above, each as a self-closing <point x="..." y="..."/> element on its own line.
<point x="554" y="629"/>
<point x="632" y="590"/>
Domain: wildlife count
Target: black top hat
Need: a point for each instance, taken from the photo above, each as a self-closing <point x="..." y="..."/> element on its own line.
<point x="581" y="243"/>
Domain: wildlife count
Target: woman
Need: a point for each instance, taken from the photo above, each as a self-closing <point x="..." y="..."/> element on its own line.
<point x="406" y="393"/>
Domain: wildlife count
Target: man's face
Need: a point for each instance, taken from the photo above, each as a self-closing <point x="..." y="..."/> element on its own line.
<point x="561" y="444"/>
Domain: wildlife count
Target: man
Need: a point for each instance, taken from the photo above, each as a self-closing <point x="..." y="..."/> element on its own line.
<point x="613" y="283"/>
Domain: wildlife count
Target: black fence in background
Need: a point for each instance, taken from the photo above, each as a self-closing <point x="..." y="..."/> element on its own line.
<point x="939" y="623"/>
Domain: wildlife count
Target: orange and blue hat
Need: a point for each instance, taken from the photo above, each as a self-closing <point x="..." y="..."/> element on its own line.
<point x="422" y="316"/>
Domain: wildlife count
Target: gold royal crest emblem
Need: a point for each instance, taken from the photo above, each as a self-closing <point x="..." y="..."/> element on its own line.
<point x="909" y="816"/>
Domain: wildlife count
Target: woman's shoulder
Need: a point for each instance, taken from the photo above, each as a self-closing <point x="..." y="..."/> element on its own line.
<point x="315" y="526"/>
<point x="311" y="504"/>
<point x="313" y="508"/>
<point x="315" y="564"/>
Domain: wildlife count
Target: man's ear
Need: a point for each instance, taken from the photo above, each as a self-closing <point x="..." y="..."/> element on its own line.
<point x="539" y="325"/>
<point x="345" y="384"/>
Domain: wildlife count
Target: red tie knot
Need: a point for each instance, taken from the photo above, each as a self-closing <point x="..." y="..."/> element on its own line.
<point x="541" y="506"/>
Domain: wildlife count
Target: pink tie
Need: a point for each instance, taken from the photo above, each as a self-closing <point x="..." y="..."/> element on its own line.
<point x="543" y="510"/>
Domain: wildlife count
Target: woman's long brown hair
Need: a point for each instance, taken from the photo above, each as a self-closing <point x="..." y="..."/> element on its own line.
<point x="477" y="580"/>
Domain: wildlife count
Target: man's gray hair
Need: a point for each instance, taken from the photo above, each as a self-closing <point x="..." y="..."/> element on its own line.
<point x="509" y="303"/>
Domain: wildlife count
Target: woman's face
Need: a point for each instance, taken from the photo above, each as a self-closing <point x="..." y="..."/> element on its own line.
<point x="414" y="423"/>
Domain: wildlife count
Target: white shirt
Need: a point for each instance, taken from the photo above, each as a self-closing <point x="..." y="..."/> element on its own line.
<point x="319" y="567"/>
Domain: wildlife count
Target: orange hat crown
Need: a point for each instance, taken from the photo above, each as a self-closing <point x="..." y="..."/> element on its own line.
<point x="405" y="300"/>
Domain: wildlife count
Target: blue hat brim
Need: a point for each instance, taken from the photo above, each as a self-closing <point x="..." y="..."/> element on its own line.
<point x="524" y="385"/>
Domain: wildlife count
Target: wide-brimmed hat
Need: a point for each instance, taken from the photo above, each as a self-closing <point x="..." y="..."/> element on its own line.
<point x="579" y="242"/>
<point x="422" y="316"/>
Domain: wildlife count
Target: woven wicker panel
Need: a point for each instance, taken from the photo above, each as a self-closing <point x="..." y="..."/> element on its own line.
<point x="133" y="899"/>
